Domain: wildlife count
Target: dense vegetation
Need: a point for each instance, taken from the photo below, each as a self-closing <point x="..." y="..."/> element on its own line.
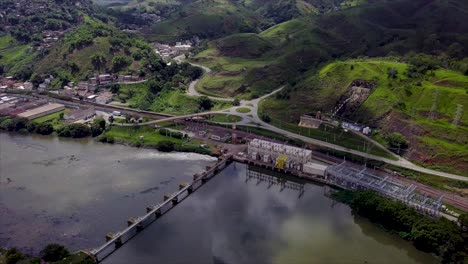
<point x="27" y="23"/>
<point x="162" y="140"/>
<point x="52" y="253"/>
<point x="438" y="236"/>
<point x="95" y="47"/>
<point x="46" y="127"/>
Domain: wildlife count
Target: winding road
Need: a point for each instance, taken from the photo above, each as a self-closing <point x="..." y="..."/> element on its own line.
<point x="253" y="120"/>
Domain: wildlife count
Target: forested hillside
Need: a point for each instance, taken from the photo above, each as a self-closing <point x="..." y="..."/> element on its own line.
<point x="70" y="40"/>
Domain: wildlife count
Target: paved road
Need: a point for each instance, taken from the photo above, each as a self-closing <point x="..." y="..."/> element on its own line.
<point x="192" y="91"/>
<point x="252" y="119"/>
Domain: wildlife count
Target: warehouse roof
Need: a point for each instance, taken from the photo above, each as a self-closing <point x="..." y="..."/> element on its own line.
<point x="281" y="148"/>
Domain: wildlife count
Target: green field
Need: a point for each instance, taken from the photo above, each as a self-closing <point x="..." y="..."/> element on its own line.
<point x="132" y="135"/>
<point x="151" y="138"/>
<point x="53" y="119"/>
<point x="229" y="74"/>
<point x="173" y="101"/>
<point x="243" y="110"/>
<point x="225" y="118"/>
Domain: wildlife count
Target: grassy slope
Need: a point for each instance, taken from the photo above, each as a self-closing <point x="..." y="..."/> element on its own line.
<point x="436" y="143"/>
<point x="168" y="101"/>
<point x="216" y="19"/>
<point x="14" y="55"/>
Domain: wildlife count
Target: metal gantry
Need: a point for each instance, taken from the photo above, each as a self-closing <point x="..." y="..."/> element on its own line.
<point x="272" y="180"/>
<point x="352" y="178"/>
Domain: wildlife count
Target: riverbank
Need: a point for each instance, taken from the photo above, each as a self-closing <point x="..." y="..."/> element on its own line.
<point x="151" y="138"/>
<point x="56" y="255"/>
<point x="132" y="136"/>
<point x="438" y="236"/>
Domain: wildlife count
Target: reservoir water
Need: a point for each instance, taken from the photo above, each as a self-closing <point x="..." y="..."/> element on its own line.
<point x="74" y="192"/>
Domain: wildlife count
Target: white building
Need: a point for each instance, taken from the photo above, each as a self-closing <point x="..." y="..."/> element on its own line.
<point x="28" y="86"/>
<point x="315" y="169"/>
<point x="269" y="152"/>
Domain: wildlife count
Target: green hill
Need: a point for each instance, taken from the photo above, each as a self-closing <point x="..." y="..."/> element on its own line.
<point x="92" y="48"/>
<point x="72" y="41"/>
<point x="244" y="45"/>
<point x="186" y="19"/>
<point x="210" y="19"/>
<point x="398" y="104"/>
<point x="434" y="27"/>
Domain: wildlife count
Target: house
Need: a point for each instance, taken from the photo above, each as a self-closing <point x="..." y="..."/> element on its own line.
<point x="350" y="126"/>
<point x="310" y="122"/>
<point x="80" y="114"/>
<point x="105" y="79"/>
<point x="28" y="86"/>
<point x="91" y="97"/>
<point x="366" y="131"/>
<point x="104" y="98"/>
<point x="219" y="136"/>
<point x="43" y="87"/>
<point x="83" y="85"/>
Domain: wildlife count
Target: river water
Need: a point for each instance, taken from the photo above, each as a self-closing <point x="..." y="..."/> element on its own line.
<point x="74" y="192"/>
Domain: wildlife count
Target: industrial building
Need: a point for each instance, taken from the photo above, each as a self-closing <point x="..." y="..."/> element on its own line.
<point x="42" y="111"/>
<point x="283" y="156"/>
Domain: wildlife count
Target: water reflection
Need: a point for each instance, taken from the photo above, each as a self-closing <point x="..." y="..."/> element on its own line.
<point x="236" y="218"/>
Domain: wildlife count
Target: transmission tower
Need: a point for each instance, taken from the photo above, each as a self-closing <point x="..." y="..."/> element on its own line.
<point x="458" y="114"/>
<point x="435" y="101"/>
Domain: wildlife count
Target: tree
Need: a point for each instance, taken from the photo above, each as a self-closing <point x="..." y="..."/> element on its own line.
<point x="111" y="119"/>
<point x="115" y="88"/>
<point x="100" y="122"/>
<point x="120" y="62"/>
<point x="205" y="103"/>
<point x="44" y="129"/>
<point x="165" y="146"/>
<point x="13" y="256"/>
<point x="96" y="130"/>
<point x="54" y="252"/>
<point x="79" y="131"/>
<point x="6" y="124"/>
<point x="397" y="140"/>
<point x="266" y="118"/>
<point x="31" y="127"/>
<point x="463" y="220"/>
<point x="99" y="61"/>
<point x="392" y="73"/>
<point x="236" y="102"/>
<point x="154" y="87"/>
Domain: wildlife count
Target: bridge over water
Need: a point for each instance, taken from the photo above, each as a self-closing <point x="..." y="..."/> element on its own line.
<point x="154" y="212"/>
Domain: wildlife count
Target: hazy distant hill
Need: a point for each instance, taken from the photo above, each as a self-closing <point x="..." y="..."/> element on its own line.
<point x="218" y="18"/>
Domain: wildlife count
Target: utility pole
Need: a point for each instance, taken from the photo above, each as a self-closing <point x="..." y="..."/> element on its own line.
<point x="458" y="114"/>
<point x="435" y="101"/>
